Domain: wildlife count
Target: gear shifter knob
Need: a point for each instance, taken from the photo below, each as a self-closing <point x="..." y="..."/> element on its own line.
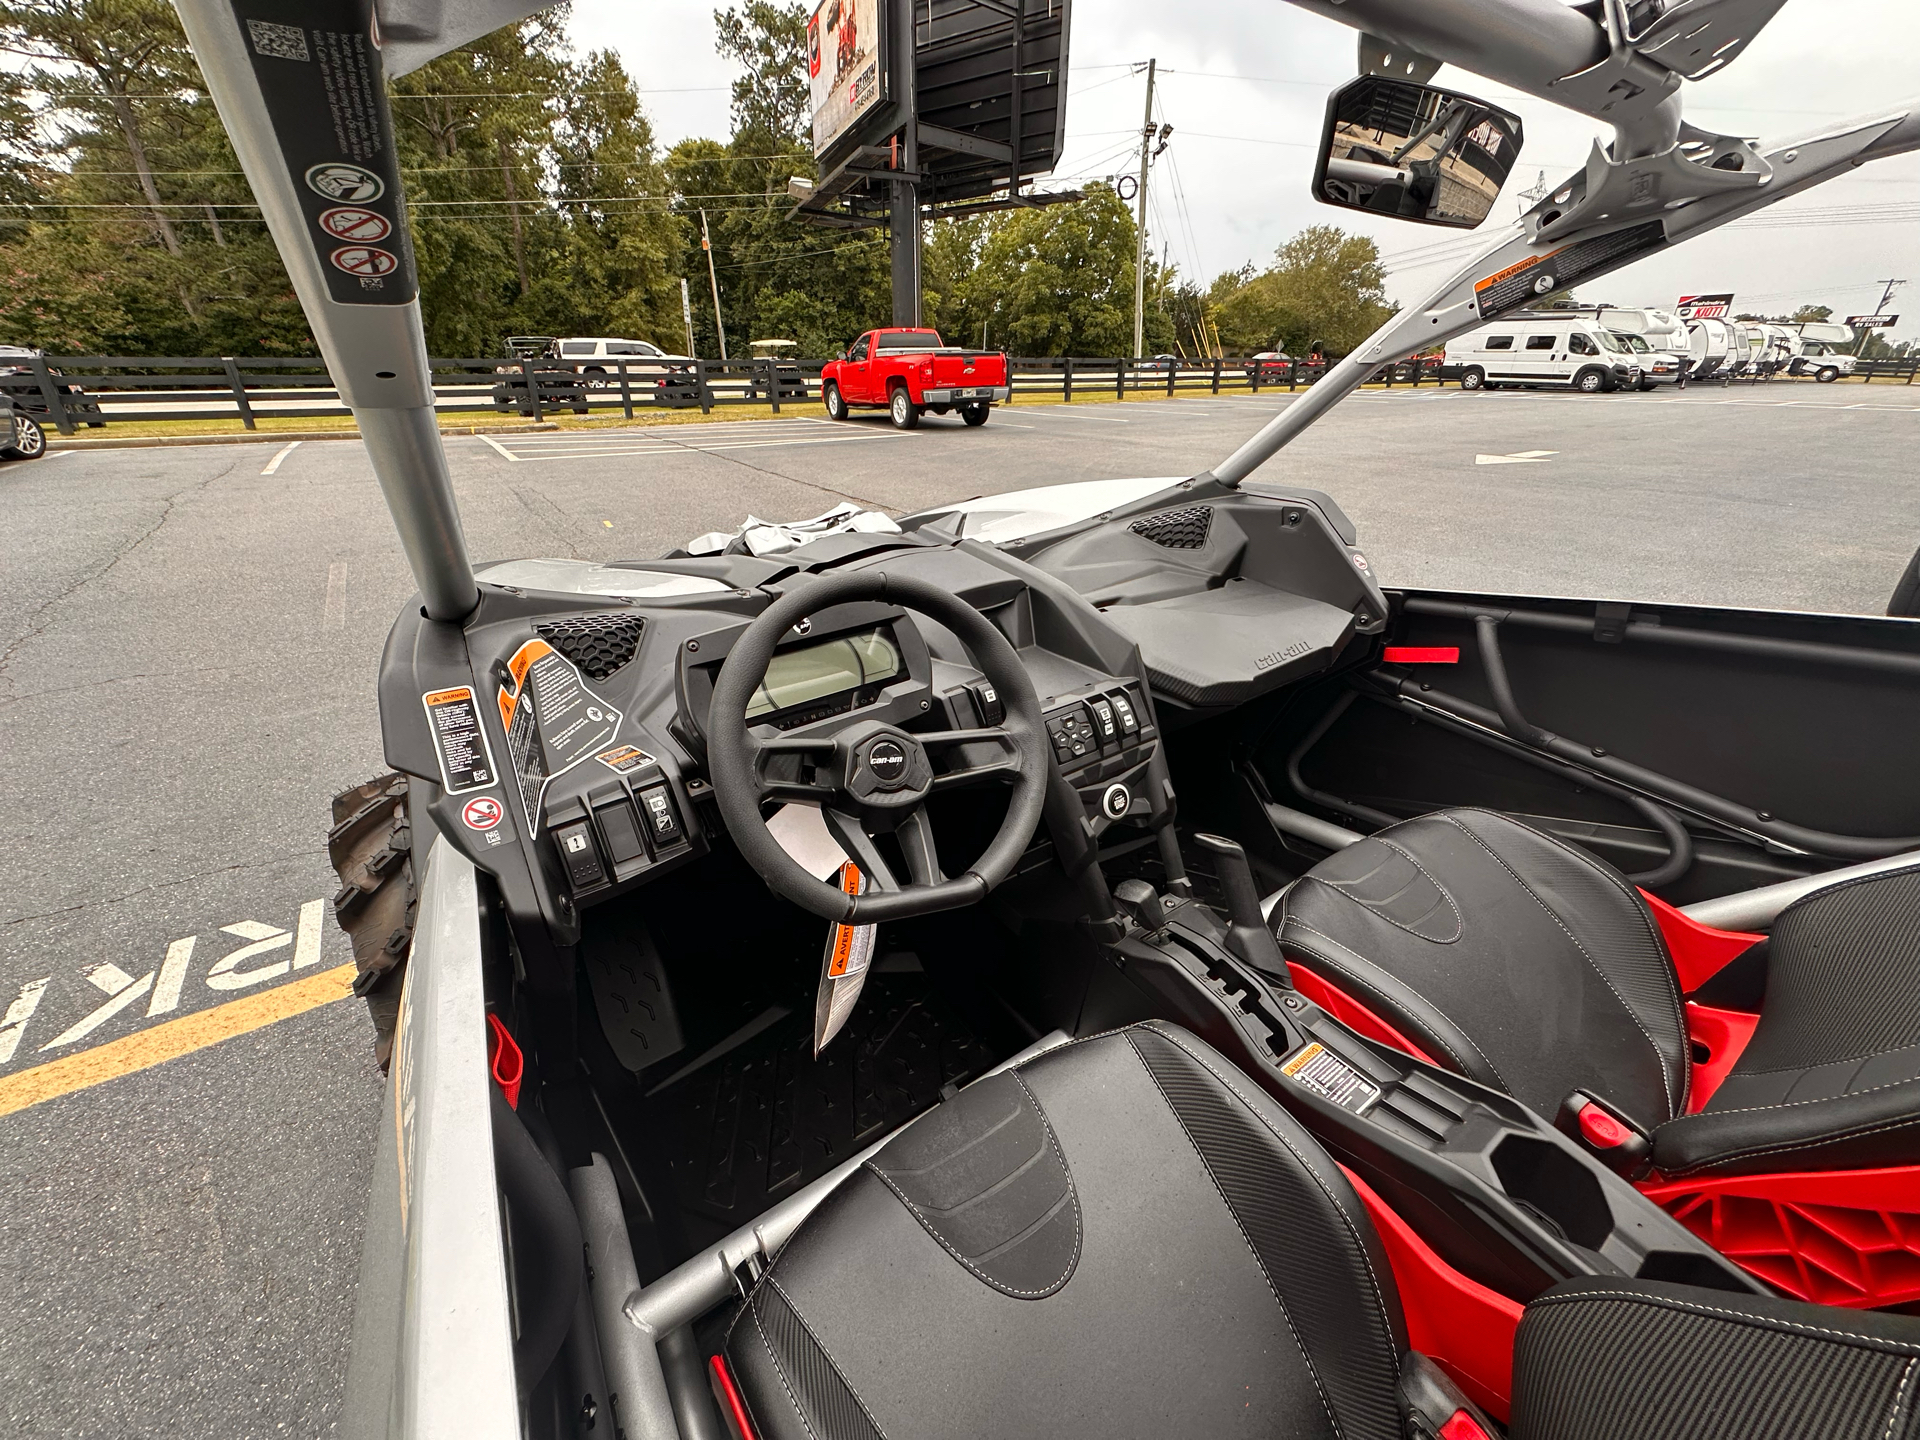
<point x="1248" y="937"/>
<point x="1140" y="900"/>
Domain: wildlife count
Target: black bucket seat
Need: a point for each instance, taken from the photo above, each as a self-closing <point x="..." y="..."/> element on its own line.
<point x="1527" y="964"/>
<point x="1126" y="1238"/>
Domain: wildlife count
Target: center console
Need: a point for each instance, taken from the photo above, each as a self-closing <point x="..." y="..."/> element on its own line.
<point x="1496" y="1191"/>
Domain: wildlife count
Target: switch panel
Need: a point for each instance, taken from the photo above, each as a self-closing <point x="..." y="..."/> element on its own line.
<point x="578" y="854"/>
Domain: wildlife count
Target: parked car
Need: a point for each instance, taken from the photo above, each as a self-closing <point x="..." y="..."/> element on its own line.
<point x="21" y="382"/>
<point x="1269" y="366"/>
<point x="26" y="440"/>
<point x="910" y="372"/>
<point x="598" y="359"/>
<point x="1576" y="352"/>
<point x="1657" y="367"/>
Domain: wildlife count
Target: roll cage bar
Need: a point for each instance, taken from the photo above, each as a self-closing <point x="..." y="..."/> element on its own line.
<point x="1661" y="180"/>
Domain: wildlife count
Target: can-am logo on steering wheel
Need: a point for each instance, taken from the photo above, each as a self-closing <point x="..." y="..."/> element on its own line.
<point x="887" y="761"/>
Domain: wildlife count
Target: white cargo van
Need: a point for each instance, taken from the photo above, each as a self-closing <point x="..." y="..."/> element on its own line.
<point x="1571" y="351"/>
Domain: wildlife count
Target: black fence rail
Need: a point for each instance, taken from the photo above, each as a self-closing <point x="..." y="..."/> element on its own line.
<point x="71" y="392"/>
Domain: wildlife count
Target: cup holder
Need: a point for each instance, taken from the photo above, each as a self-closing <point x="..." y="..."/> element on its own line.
<point x="1552" y="1183"/>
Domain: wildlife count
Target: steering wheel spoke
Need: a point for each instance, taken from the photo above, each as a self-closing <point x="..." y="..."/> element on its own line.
<point x="966" y="766"/>
<point x="858" y="844"/>
<point x="915" y="834"/>
<point x="819" y="791"/>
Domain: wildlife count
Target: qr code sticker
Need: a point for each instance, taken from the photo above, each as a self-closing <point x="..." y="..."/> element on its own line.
<point x="279" y="42"/>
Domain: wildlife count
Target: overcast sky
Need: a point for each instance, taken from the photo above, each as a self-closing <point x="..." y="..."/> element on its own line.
<point x="1244" y="83"/>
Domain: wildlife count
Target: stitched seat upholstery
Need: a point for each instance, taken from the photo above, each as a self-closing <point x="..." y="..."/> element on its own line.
<point x="1503" y="953"/>
<point x="1529" y="965"/>
<point x="1121" y="1238"/>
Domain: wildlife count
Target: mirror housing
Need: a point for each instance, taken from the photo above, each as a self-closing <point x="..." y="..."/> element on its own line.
<point x="1391" y="147"/>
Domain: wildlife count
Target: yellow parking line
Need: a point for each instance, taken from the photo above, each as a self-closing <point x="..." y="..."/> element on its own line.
<point x="171" y="1039"/>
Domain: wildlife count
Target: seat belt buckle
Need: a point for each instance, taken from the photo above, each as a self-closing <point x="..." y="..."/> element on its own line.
<point x="1607" y="1135"/>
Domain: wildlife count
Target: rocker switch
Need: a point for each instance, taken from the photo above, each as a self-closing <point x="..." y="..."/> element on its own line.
<point x="577" y="853"/>
<point x="1123" y="712"/>
<point x="1103" y="720"/>
<point x="662" y="819"/>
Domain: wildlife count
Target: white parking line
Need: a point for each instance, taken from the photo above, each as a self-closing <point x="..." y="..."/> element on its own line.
<point x="273" y="465"/>
<point x="501" y="448"/>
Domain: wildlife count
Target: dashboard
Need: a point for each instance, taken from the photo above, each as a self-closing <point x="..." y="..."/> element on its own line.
<point x="560" y="732"/>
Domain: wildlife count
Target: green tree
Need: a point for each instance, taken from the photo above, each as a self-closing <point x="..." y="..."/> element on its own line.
<point x="1325" y="288"/>
<point x="1056" y="280"/>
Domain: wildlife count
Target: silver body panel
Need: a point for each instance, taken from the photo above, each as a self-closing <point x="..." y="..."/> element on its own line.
<point x="433" y="1332"/>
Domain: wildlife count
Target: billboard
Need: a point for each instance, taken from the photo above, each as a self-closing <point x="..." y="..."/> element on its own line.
<point x="1704" y="307"/>
<point x="846" y="67"/>
<point x="1872" y="322"/>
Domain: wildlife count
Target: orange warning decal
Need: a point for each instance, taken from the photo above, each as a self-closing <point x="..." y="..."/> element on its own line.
<point x="1513" y="269"/>
<point x="843" y="935"/>
<point x="446" y="697"/>
<point x="524" y="657"/>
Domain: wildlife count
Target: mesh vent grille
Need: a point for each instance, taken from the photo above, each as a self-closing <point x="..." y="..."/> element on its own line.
<point x="1176" y="529"/>
<point x="598" y="644"/>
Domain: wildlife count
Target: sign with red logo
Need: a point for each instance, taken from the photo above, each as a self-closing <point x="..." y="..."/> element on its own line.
<point x="365" y="260"/>
<point x="482" y="813"/>
<point x="1704" y="307"/>
<point x="350" y="222"/>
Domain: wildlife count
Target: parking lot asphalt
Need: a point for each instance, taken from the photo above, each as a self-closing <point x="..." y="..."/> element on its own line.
<point x="187" y="658"/>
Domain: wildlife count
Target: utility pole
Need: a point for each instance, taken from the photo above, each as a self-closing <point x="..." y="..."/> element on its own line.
<point x="1140" y="221"/>
<point x="713" y="277"/>
<point x="1886" y="295"/>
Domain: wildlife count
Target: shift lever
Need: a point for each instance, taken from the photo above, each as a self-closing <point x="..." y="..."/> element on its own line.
<point x="1248" y="937"/>
<point x="1140" y="900"/>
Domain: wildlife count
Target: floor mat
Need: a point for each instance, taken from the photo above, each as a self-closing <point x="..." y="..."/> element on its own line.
<point x="763" y="1120"/>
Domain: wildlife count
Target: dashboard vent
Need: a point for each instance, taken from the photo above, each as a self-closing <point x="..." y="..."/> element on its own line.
<point x="1176" y="529"/>
<point x="598" y="644"/>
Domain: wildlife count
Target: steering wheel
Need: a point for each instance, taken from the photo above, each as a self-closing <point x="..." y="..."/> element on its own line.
<point x="871" y="777"/>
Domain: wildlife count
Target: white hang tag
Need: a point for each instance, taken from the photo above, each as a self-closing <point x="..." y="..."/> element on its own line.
<point x="843" y="967"/>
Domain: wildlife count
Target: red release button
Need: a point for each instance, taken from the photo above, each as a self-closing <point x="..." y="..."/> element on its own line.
<point x="1601" y="1129"/>
<point x="1462" y="1426"/>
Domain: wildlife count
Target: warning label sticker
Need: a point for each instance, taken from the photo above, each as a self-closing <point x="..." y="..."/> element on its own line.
<point x="624" y="759"/>
<point x="365" y="260"/>
<point x="466" y="761"/>
<point x="1316" y="1068"/>
<point x="483" y="812"/>
<point x="318" y="65"/>
<point x="350" y="222"/>
<point x="553" y="721"/>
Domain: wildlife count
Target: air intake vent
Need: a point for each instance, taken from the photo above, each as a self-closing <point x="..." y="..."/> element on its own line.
<point x="598" y="644"/>
<point x="1176" y="529"/>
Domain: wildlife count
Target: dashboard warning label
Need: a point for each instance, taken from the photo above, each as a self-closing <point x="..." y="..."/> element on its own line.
<point x="624" y="759"/>
<point x="553" y="721"/>
<point x="466" y="762"/>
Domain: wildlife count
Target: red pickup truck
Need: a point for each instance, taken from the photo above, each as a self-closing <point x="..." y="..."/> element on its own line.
<point x="913" y="371"/>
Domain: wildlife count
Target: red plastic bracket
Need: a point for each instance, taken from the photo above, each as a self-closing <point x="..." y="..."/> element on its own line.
<point x="1836" y="1237"/>
<point x="504" y="1061"/>
<point x="1699" y="951"/>
<point x="1458" y="1323"/>
<point x="1421" y="655"/>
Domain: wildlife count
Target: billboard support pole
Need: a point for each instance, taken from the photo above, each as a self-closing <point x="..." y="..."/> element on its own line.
<point x="904" y="219"/>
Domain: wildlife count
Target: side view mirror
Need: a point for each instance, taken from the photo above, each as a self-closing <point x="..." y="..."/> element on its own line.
<point x="1391" y="147"/>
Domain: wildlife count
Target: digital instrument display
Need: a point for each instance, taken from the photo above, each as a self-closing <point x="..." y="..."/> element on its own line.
<point x="808" y="673"/>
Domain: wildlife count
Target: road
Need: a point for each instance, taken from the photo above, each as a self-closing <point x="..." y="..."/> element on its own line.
<point x="187" y="657"/>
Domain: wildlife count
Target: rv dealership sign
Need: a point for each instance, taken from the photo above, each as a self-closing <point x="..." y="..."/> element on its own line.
<point x="1704" y="307"/>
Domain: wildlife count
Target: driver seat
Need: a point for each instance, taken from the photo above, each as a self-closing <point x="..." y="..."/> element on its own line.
<point x="1126" y="1238"/>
